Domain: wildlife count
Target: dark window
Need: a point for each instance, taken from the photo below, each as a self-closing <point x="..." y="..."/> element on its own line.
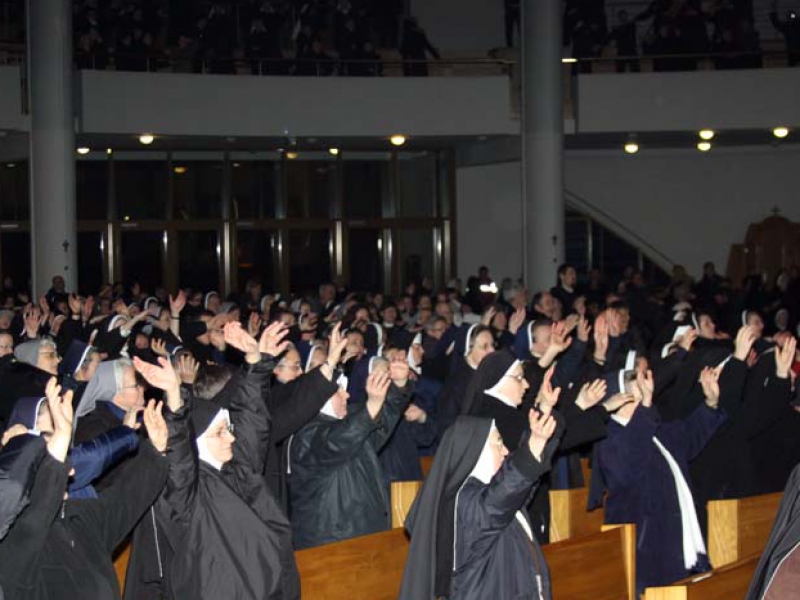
<point x="311" y="188"/>
<point x="366" y="184"/>
<point x="15" y="249"/>
<point x="417" y="185"/>
<point x="198" y="188"/>
<point x="256" y="257"/>
<point x="91" y="177"/>
<point x="198" y="253"/>
<point x="14" y="204"/>
<point x="142" y="255"/>
<point x="141" y="189"/>
<point x="310" y="259"/>
<point x="365" y="257"/>
<point x="416" y="255"/>
<point x="254" y="189"/>
<point x="90" y="262"/>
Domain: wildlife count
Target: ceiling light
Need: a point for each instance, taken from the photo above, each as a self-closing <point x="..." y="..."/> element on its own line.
<point x="83" y="150"/>
<point x="631" y="147"/>
<point x="11" y="165"/>
<point x="291" y="155"/>
<point x="568" y="60"/>
<point x="706" y="134"/>
<point x="780" y="132"/>
<point x="236" y="165"/>
<point x="109" y="151"/>
<point x="333" y="151"/>
<point x="397" y="140"/>
<point x="180" y="170"/>
<point x="147" y="138"/>
<point x="704" y="146"/>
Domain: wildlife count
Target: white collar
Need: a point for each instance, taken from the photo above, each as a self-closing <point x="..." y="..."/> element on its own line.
<point x="203" y="452"/>
<point x="495" y="392"/>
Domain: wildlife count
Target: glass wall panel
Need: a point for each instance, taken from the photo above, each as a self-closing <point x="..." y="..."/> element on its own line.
<point x="142" y="258"/>
<point x="309" y="259"/>
<point x="198" y="255"/>
<point x="197" y="187"/>
<point x="91" y="193"/>
<point x="15" y="249"/>
<point x="416" y="255"/>
<point x="577" y="243"/>
<point x="418" y="175"/>
<point x="311" y="188"/>
<point x="366" y="185"/>
<point x="256" y="256"/>
<point x="14" y="204"/>
<point x="254" y="189"/>
<point x="141" y="188"/>
<point x="90" y="262"/>
<point x="365" y="258"/>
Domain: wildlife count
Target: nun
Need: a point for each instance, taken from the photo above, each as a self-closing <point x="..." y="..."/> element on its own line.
<point x="335" y="479"/>
<point x="36" y="361"/>
<point x="226" y="536"/>
<point x="470" y="349"/>
<point x="643" y="467"/>
<point x="470" y="537"/>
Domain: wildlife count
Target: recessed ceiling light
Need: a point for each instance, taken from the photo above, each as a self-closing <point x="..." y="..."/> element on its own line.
<point x="706" y="134"/>
<point x="569" y="60"/>
<point x="333" y="151"/>
<point x="83" y="150"/>
<point x="180" y="170"/>
<point x="704" y="146"/>
<point x="291" y="155"/>
<point x="109" y="151"/>
<point x="780" y="132"/>
<point x="631" y="148"/>
<point x="147" y="138"/>
<point x="397" y="139"/>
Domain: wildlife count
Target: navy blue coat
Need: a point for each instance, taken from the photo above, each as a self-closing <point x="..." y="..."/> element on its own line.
<point x="641" y="488"/>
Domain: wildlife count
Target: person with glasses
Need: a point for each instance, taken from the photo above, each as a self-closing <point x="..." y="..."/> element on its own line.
<point x="6" y="345"/>
<point x="470" y="536"/>
<point x="222" y="533"/>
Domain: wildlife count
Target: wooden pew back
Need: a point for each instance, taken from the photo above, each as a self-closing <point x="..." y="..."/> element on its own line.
<point x="730" y="582"/>
<point x="403" y="494"/>
<point x="569" y="517"/>
<point x="740" y="528"/>
<point x="600" y="566"/>
<point x="425" y="463"/>
<point x="369" y="567"/>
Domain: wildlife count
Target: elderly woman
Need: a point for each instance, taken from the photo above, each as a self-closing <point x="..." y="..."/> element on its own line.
<point x="63" y="549"/>
<point x="470" y="537"/>
<point x="35" y="362"/>
<point x="112" y="397"/>
<point x="225" y="535"/>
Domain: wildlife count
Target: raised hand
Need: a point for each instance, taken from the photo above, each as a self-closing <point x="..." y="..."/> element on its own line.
<point x="308" y="324"/>
<point x="600" y="337"/>
<point x="177" y="303"/>
<point x="548" y="397"/>
<point x="74" y="304"/>
<point x="617" y="401"/>
<point x="516" y="320"/>
<point x="159" y="347"/>
<point x="272" y="342"/>
<point x="745" y="338"/>
<point x="644" y="380"/>
<point x="336" y="346"/>
<point x="558" y="339"/>
<point x="614" y="323"/>
<point x="378" y="384"/>
<point x="785" y="357"/>
<point x="131" y="418"/>
<point x="571" y="322"/>
<point x="542" y="428"/>
<point x="583" y="329"/>
<point x="187" y="369"/>
<point x="709" y="380"/>
<point x="236" y="336"/>
<point x="161" y="375"/>
<point x="591" y="394"/>
<point x="156" y="426"/>
<point x="488" y="315"/>
<point x="61" y="412"/>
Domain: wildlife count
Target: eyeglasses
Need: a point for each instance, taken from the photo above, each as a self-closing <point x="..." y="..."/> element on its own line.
<point x="520" y="378"/>
<point x="292" y="367"/>
<point x="224" y="430"/>
<point x="6" y="347"/>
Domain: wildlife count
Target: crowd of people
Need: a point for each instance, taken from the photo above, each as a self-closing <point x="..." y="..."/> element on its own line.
<point x="272" y="37"/>
<point x="220" y="434"/>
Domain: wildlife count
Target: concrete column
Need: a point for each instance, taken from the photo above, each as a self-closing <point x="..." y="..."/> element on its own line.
<point x="542" y="143"/>
<point x="52" y="143"/>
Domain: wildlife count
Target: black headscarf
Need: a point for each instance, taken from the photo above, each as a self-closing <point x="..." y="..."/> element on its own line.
<point x="490" y="371"/>
<point x="431" y="520"/>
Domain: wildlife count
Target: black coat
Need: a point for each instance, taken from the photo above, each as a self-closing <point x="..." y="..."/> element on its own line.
<point x="63" y="550"/>
<point x="335" y="479"/>
<point x="20" y="380"/>
<point x="494" y="556"/>
<point x="292" y="406"/>
<point x="783" y="540"/>
<point x="19" y="460"/>
<point x="224" y="533"/>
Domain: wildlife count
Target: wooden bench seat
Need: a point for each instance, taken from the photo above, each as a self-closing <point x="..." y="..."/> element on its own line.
<point x="569" y="517"/>
<point x="730" y="582"/>
<point x="738" y="529"/>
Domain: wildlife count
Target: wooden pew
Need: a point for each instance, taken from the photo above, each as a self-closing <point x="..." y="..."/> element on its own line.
<point x="600" y="566"/>
<point x="403" y="494"/>
<point x="425" y="462"/>
<point x="730" y="582"/>
<point x="569" y="517"/>
<point x="739" y="528"/>
<point x="121" y="559"/>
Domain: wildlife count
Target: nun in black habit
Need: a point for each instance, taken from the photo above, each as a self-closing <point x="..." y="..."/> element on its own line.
<point x="470" y="537"/>
<point x="226" y="536"/>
